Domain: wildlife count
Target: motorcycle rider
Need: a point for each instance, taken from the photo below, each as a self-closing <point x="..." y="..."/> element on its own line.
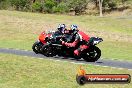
<point x="61" y="28"/>
<point x="80" y="40"/>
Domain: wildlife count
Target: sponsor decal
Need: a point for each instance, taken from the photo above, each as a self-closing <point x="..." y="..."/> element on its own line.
<point x="83" y="78"/>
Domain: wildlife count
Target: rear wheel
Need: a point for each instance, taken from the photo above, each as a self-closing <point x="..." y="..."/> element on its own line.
<point x="36" y="47"/>
<point x="92" y="55"/>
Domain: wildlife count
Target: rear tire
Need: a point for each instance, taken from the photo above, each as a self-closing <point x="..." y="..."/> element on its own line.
<point x="92" y="55"/>
<point x="36" y="47"/>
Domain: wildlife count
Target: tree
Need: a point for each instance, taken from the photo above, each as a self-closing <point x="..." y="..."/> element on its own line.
<point x="61" y="8"/>
<point x="20" y="4"/>
<point x="37" y="6"/>
<point x="123" y="1"/>
<point x="78" y="6"/>
<point x="48" y="5"/>
<point x="95" y="2"/>
<point x="100" y="7"/>
<point x="4" y="4"/>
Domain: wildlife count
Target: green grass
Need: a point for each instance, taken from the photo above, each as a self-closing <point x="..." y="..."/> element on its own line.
<point x="116" y="50"/>
<point x="21" y="30"/>
<point x="26" y="72"/>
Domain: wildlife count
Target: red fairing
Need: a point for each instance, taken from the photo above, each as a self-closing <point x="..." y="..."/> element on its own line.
<point x="84" y="36"/>
<point x="42" y="37"/>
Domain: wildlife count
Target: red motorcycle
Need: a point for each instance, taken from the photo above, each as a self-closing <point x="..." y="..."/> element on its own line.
<point x="49" y="44"/>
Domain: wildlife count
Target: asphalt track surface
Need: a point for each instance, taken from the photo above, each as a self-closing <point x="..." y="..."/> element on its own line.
<point x="100" y="62"/>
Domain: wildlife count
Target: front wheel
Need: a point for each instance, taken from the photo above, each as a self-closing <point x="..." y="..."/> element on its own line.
<point x="36" y="47"/>
<point x="92" y="55"/>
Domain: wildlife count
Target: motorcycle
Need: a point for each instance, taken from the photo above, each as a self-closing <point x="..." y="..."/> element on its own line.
<point x="54" y="47"/>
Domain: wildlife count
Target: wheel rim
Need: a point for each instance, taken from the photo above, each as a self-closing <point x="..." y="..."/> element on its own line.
<point x="92" y="54"/>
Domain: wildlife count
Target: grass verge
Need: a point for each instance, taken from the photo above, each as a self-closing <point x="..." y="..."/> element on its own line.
<point x="26" y="72"/>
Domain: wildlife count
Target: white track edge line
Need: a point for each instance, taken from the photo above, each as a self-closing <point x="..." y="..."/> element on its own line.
<point x="82" y="63"/>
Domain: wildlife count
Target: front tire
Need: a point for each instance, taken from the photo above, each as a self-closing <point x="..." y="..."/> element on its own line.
<point x="36" y="47"/>
<point x="92" y="55"/>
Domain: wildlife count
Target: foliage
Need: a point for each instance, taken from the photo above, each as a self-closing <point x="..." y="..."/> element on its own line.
<point x="61" y="8"/>
<point x="111" y="4"/>
<point x="37" y="6"/>
<point x="4" y="4"/>
<point x="19" y="4"/>
<point x="78" y="6"/>
<point x="48" y="5"/>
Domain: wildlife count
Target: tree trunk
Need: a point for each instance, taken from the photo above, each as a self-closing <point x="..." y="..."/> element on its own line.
<point x="34" y="1"/>
<point x="100" y="8"/>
